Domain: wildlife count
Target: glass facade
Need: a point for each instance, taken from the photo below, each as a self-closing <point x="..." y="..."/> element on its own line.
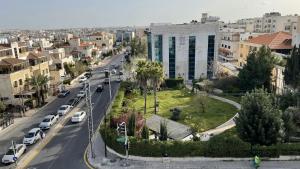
<point x="149" y="41"/>
<point x="158" y="47"/>
<point x="192" y="53"/>
<point x="210" y="55"/>
<point x="172" y="56"/>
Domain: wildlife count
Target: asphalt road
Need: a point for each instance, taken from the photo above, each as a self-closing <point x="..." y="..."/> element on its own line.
<point x="66" y="150"/>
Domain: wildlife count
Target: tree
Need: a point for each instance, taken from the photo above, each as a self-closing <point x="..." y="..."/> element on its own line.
<point x="292" y="69"/>
<point x="287" y="99"/>
<point x="131" y="125"/>
<point x="39" y="83"/>
<point x="258" y="70"/>
<point x="259" y="121"/>
<point x="163" y="131"/>
<point x="156" y="77"/>
<point x="200" y="102"/>
<point x="142" y="76"/>
<point x="145" y="132"/>
<point x="289" y="124"/>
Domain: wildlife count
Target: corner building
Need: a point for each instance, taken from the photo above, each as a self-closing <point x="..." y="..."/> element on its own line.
<point x="185" y="50"/>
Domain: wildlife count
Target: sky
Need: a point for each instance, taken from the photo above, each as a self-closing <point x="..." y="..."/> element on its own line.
<point x="46" y="14"/>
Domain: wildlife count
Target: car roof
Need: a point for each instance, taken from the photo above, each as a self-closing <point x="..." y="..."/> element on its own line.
<point x="48" y="117"/>
<point x="34" y="130"/>
<point x="78" y="113"/>
<point x="64" y="106"/>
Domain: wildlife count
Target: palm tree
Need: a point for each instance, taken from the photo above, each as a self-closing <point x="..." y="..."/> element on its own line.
<point x="156" y="76"/>
<point x="39" y="83"/>
<point x="142" y="76"/>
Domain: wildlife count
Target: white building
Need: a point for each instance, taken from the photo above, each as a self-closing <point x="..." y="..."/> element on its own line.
<point x="185" y="50"/>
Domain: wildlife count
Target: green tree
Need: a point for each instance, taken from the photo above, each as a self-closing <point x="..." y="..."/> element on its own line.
<point x="259" y="121"/>
<point x="131" y="125"/>
<point x="142" y="76"/>
<point x="156" y="76"/>
<point x="145" y="132"/>
<point x="39" y="83"/>
<point x="292" y="69"/>
<point x="289" y="124"/>
<point x="163" y="131"/>
<point x="258" y="70"/>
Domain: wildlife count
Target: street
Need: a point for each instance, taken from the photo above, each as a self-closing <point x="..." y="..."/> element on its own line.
<point x="80" y="143"/>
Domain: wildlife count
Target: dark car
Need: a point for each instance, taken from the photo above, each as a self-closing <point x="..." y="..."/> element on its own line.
<point x="64" y="93"/>
<point x="99" y="88"/>
<point x="106" y="81"/>
<point x="88" y="75"/>
<point x="73" y="102"/>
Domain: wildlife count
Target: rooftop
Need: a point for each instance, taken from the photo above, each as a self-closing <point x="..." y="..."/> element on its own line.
<point x="278" y="40"/>
<point x="11" y="61"/>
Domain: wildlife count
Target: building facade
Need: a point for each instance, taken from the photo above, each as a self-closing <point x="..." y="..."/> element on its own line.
<point x="185" y="50"/>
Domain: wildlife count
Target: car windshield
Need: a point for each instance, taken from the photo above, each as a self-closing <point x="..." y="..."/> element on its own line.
<point x="29" y="135"/>
<point x="10" y="152"/>
<point x="63" y="108"/>
<point x="76" y="115"/>
<point x="46" y="120"/>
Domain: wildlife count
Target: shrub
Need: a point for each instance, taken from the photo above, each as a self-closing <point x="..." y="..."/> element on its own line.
<point x="68" y="81"/>
<point x="174" y="83"/>
<point x="131" y="125"/>
<point x="163" y="131"/>
<point x="175" y="114"/>
<point x="145" y="132"/>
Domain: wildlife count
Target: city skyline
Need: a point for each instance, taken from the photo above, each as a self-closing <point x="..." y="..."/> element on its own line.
<point x="33" y="14"/>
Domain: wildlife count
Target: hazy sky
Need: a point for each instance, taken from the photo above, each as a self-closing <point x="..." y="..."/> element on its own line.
<point x="36" y="14"/>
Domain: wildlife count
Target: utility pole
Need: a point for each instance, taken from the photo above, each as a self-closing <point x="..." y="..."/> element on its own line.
<point x="107" y="75"/>
<point x="90" y="115"/>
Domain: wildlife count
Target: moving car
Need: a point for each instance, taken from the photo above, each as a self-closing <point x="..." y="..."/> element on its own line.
<point x="82" y="79"/>
<point x="13" y="153"/>
<point x="64" y="93"/>
<point x="81" y="93"/>
<point x="47" y="122"/>
<point x="78" y="117"/>
<point x="33" y="136"/>
<point x="114" y="71"/>
<point x="99" y="88"/>
<point x="64" y="109"/>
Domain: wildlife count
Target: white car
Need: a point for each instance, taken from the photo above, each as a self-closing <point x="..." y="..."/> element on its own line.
<point x="47" y="122"/>
<point x="13" y="153"/>
<point x="33" y="136"/>
<point x="81" y="93"/>
<point x="82" y="79"/>
<point x="64" y="109"/>
<point x="78" y="117"/>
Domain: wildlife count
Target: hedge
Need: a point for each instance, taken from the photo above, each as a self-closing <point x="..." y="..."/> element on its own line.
<point x="174" y="83"/>
<point x="218" y="146"/>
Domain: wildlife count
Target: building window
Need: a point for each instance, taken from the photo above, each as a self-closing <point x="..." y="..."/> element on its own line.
<point x="225" y="46"/>
<point x="43" y="72"/>
<point x="172" y="57"/>
<point x="149" y="41"/>
<point x="192" y="53"/>
<point x="210" y="55"/>
<point x="20" y="82"/>
<point x="158" y="47"/>
<point x="228" y="47"/>
<point x="222" y="45"/>
<point x="241" y="55"/>
<point x="15" y="83"/>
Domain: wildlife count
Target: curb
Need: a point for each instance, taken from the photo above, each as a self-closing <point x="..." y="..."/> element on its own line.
<point x="25" y="160"/>
<point x="85" y="158"/>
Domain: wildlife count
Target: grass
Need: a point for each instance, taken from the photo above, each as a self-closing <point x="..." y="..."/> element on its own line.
<point x="216" y="113"/>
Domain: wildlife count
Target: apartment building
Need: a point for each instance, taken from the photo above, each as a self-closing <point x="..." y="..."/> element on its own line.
<point x="13" y="75"/>
<point x="185" y="50"/>
<point x="104" y="40"/>
<point x="269" y="23"/>
<point x="280" y="42"/>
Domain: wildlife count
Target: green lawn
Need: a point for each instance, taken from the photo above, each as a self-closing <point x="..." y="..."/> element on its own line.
<point x="217" y="112"/>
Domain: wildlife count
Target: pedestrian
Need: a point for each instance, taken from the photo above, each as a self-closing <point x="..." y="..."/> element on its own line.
<point x="42" y="134"/>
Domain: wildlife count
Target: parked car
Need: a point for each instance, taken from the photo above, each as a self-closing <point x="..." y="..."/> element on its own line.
<point x="64" y="109"/>
<point x="56" y="115"/>
<point x="13" y="153"/>
<point x="84" y="85"/>
<point x="88" y="75"/>
<point x="33" y="136"/>
<point x="81" y="94"/>
<point x="78" y="117"/>
<point x="64" y="93"/>
<point x="47" y="122"/>
<point x="99" y="88"/>
<point x="82" y="79"/>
